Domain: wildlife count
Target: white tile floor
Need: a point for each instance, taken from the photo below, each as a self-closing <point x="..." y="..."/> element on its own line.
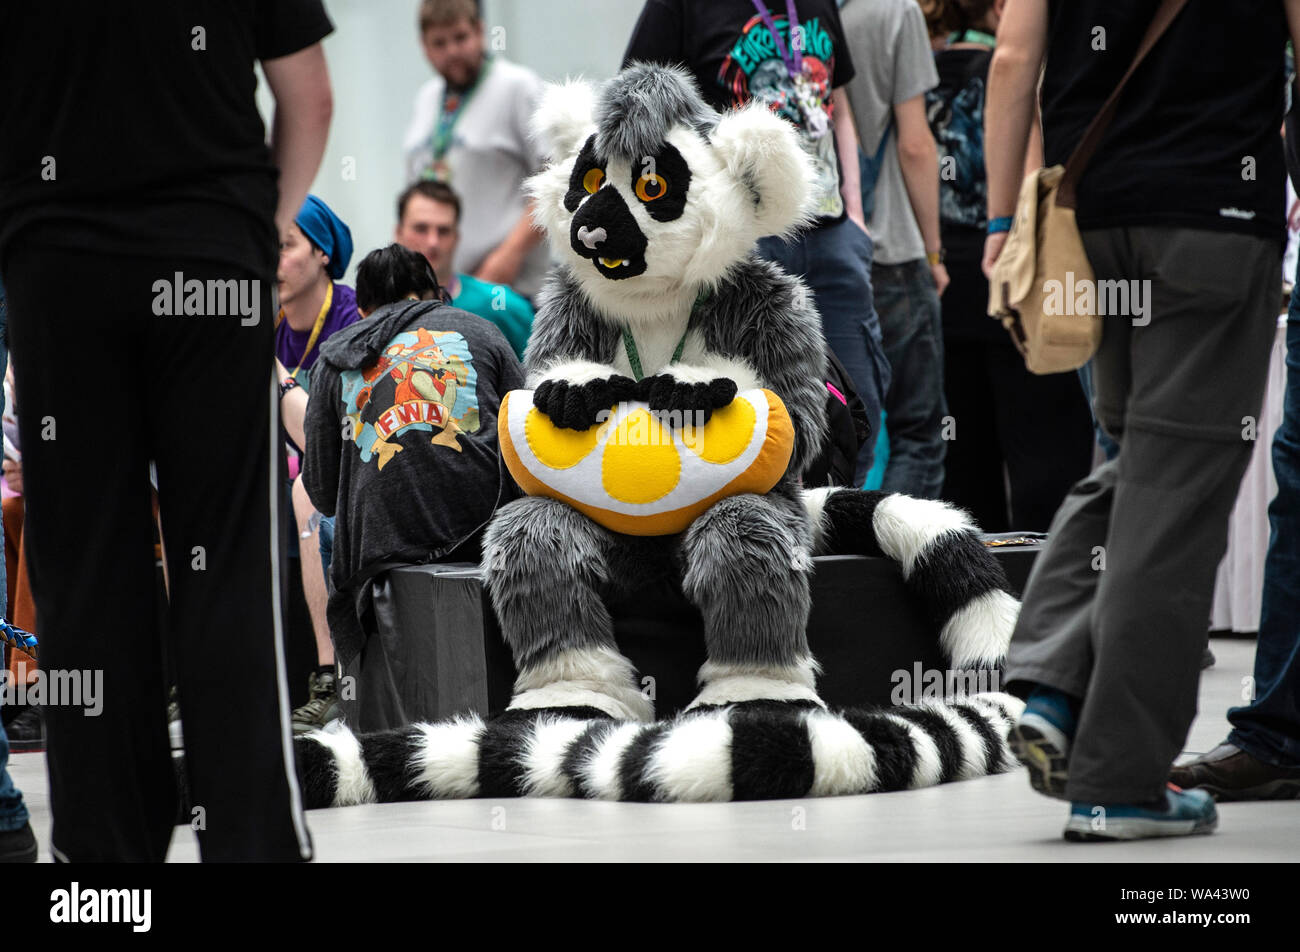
<point x="995" y="818"/>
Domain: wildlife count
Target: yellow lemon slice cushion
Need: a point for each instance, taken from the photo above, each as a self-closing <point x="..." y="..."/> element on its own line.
<point x="637" y="475"/>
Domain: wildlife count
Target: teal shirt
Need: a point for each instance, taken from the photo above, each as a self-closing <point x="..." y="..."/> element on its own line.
<point x="500" y="304"/>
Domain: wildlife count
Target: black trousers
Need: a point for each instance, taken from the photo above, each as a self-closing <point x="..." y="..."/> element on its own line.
<point x="104" y="385"/>
<point x="1038" y="427"/>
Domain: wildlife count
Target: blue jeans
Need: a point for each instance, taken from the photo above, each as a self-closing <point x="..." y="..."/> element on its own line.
<point x="910" y="321"/>
<point x="13" y="813"/>
<point x="1108" y="446"/>
<point x="834" y="261"/>
<point x="1269" y="727"/>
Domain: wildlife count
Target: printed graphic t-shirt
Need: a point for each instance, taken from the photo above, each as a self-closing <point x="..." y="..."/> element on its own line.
<point x="402" y="442"/>
<point x="955" y="110"/>
<point x="735" y="59"/>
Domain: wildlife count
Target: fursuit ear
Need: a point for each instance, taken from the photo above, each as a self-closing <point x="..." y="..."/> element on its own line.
<point x="563" y="118"/>
<point x="761" y="152"/>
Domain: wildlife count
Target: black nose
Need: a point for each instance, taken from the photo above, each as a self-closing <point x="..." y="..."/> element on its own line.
<point x="604" y="228"/>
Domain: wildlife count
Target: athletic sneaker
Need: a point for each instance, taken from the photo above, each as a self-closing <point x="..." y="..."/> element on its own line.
<point x="1041" y="740"/>
<point x="323" y="705"/>
<point x="1184" y="813"/>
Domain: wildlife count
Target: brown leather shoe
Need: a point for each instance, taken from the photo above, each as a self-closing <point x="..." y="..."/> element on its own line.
<point x="1229" y="773"/>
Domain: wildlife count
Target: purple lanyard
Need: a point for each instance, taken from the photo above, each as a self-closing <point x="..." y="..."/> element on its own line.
<point x="793" y="59"/>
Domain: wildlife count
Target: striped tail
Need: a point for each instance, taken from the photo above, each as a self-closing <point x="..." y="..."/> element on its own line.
<point x="956" y="580"/>
<point x="753" y="751"/>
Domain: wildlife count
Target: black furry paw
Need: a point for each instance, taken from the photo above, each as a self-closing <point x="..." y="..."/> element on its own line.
<point x="690" y="403"/>
<point x="579" y="406"/>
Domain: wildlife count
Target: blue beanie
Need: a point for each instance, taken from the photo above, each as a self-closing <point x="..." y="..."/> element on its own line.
<point x="327" y="232"/>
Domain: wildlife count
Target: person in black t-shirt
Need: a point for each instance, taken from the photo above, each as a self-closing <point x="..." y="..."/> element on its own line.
<point x="139" y="221"/>
<point x="744" y="50"/>
<point x="1180" y="211"/>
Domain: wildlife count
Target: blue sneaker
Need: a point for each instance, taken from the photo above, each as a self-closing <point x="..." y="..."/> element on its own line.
<point x="1184" y="813"/>
<point x="1041" y="740"/>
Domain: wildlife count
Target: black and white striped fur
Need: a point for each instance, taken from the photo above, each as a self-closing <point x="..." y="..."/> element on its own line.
<point x="953" y="576"/>
<point x="754" y="751"/>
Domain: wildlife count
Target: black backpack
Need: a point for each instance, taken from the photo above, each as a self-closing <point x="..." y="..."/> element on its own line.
<point x="849" y="429"/>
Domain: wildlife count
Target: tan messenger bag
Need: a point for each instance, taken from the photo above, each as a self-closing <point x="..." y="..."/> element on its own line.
<point x="1043" y="260"/>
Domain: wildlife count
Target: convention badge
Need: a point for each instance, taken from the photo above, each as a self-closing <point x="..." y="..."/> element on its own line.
<point x="437" y="171"/>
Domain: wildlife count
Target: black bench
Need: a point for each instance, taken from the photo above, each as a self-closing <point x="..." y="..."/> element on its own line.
<point x="438" y="649"/>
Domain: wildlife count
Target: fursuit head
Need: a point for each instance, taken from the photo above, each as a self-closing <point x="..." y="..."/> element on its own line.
<point x="653" y="203"/>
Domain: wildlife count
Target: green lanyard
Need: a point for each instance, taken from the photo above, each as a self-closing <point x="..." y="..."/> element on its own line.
<point x="629" y="345"/>
<point x="634" y="358"/>
<point x="973" y="36"/>
<point x="448" y="115"/>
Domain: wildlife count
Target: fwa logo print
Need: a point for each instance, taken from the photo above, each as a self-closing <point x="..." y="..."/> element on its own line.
<point x="423" y="382"/>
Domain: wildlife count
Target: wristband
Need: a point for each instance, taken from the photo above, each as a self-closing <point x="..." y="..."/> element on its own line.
<point x="287" y="386"/>
<point x="934" y="257"/>
<point x="998" y="225"/>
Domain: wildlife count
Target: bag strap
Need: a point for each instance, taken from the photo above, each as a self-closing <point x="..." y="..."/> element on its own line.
<point x="1078" y="161"/>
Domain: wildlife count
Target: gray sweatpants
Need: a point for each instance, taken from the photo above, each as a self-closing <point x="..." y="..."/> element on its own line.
<point x="1118" y="604"/>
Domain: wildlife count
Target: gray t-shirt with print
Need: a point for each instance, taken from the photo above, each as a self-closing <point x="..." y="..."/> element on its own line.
<point x="890" y="45"/>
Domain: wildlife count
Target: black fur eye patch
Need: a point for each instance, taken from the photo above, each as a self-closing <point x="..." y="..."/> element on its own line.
<point x="578" y="179"/>
<point x="660" y="182"/>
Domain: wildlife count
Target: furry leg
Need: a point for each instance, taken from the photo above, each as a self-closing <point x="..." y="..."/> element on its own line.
<point x="545" y="566"/>
<point x="958" y="581"/>
<point x="747" y="566"/>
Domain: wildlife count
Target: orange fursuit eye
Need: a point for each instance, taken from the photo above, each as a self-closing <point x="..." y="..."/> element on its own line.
<point x="650" y="187"/>
<point x="592" y="180"/>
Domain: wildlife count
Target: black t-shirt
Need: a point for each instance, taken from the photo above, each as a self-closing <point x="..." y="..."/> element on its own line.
<point x="734" y="57"/>
<point x="132" y="128"/>
<point x="1195" y="141"/>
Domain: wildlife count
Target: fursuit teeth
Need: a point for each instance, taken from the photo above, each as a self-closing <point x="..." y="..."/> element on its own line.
<point x="757" y="751"/>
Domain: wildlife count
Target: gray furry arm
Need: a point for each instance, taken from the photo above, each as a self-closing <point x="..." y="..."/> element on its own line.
<point x="773" y="326"/>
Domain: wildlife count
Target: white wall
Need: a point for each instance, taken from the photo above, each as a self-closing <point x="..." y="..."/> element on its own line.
<point x="376" y="66"/>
